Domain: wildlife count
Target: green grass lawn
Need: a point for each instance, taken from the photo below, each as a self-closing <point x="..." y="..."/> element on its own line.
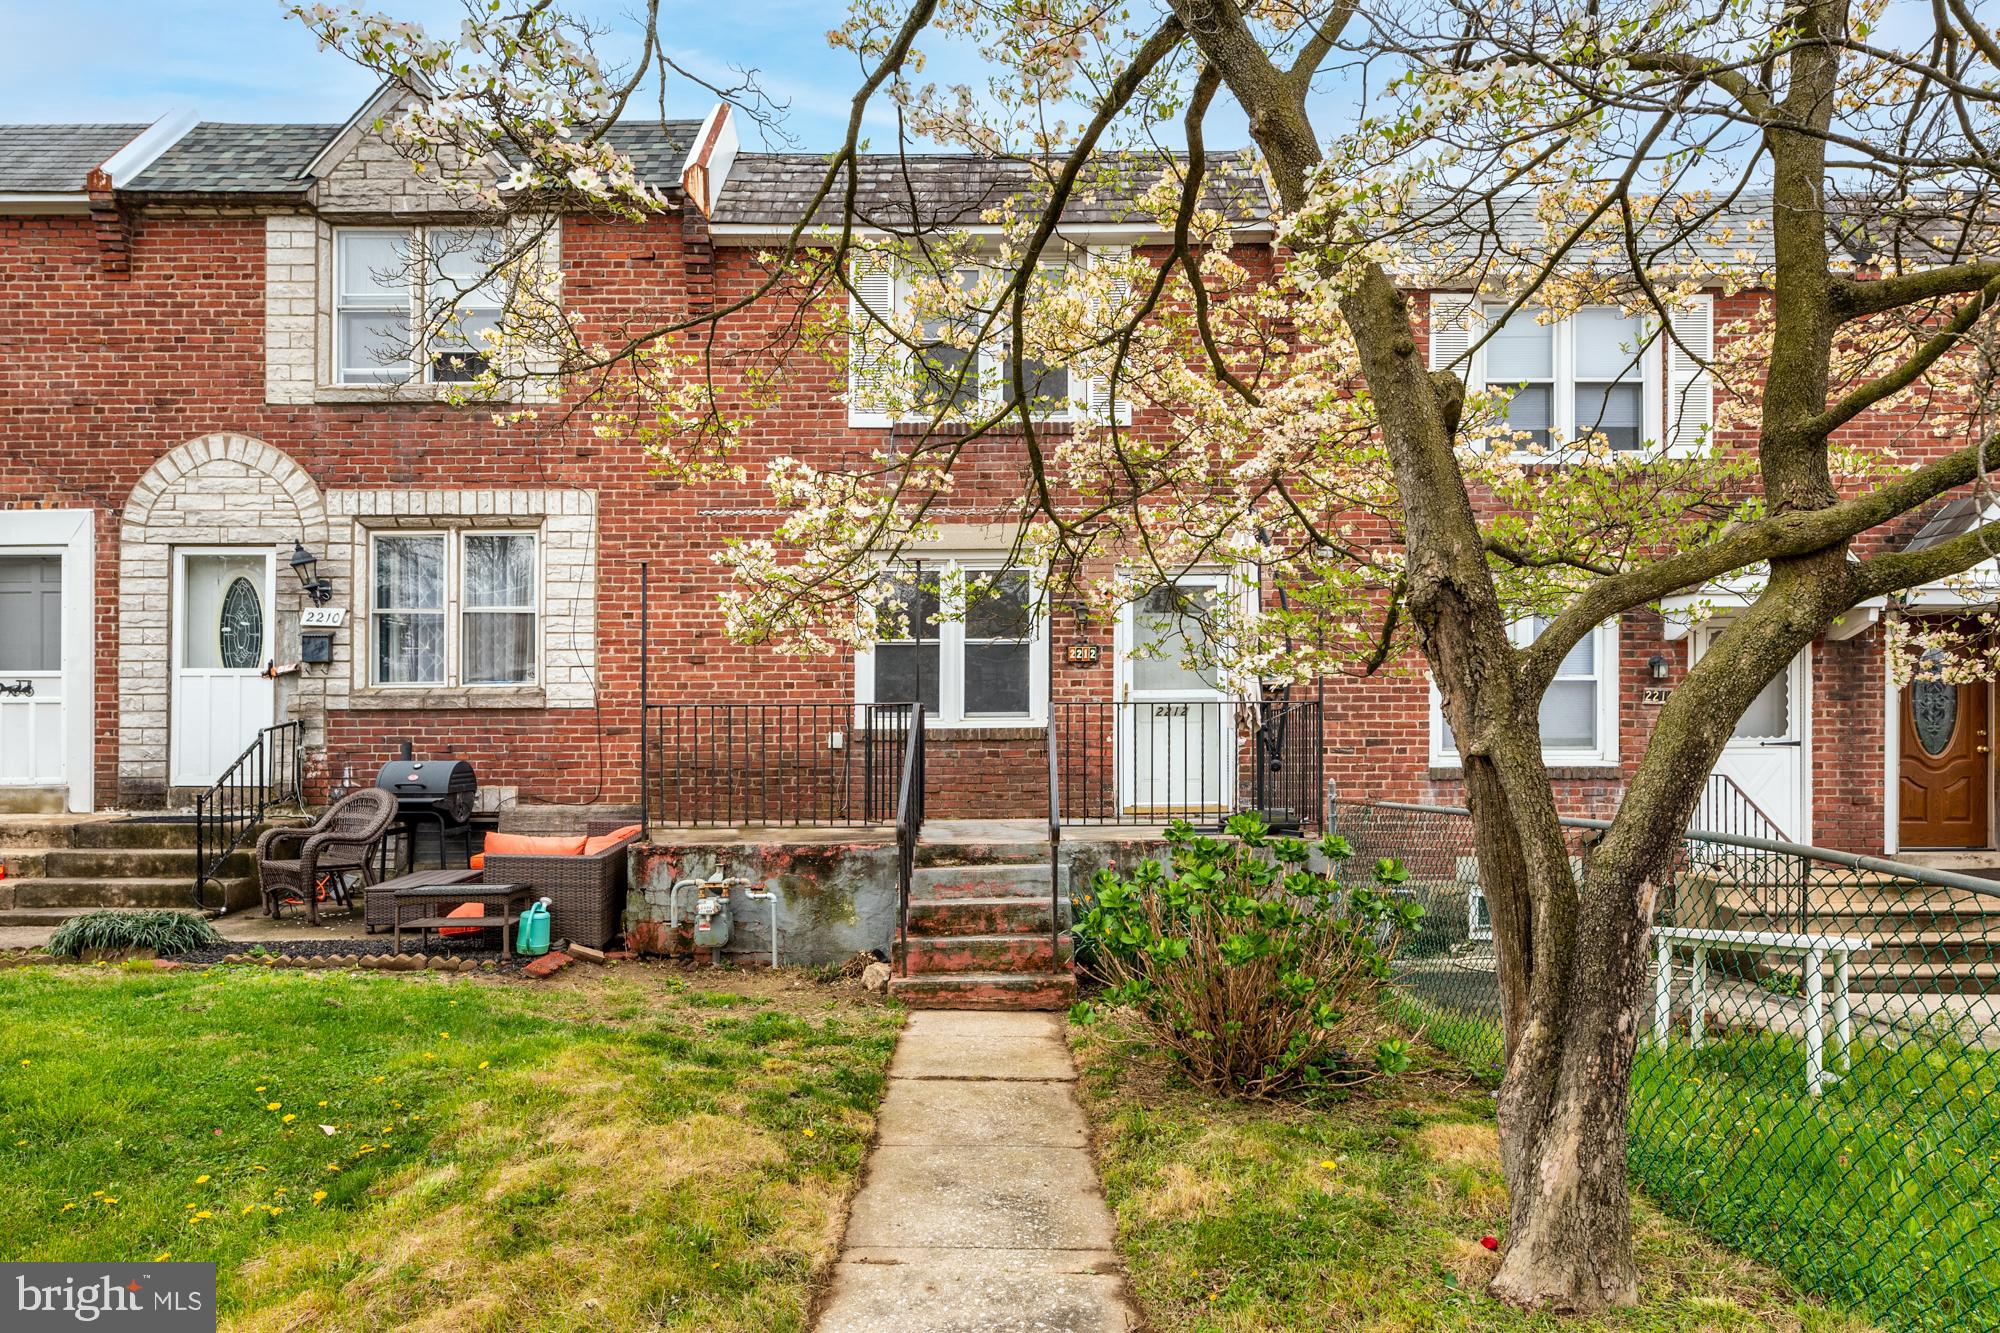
<point x="617" y="1150"/>
<point x="1360" y="1214"/>
<point x="1882" y="1192"/>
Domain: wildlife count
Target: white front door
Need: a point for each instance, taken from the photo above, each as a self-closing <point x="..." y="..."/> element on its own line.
<point x="1766" y="755"/>
<point x="33" y="721"/>
<point x="224" y="639"/>
<point x="1177" y="738"/>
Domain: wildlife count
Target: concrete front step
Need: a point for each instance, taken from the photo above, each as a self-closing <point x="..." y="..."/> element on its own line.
<point x="956" y="954"/>
<point x="138" y="832"/>
<point x="137" y="863"/>
<point x="986" y="990"/>
<point x="980" y="916"/>
<point x="937" y="883"/>
<point x="962" y="853"/>
<point x="147" y="891"/>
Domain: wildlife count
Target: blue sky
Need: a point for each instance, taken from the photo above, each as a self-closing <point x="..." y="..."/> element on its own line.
<point x="132" y="60"/>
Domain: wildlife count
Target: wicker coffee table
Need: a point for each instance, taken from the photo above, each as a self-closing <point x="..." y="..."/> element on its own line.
<point x="431" y="904"/>
<point x="380" y="900"/>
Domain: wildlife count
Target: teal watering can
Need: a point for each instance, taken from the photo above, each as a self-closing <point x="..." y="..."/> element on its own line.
<point x="533" y="936"/>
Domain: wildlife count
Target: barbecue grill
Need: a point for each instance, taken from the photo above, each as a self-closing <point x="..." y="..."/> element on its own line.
<point x="431" y="793"/>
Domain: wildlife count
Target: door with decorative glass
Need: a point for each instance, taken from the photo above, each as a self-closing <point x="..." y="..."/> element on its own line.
<point x="224" y="642"/>
<point x="1765" y="755"/>
<point x="1944" y="789"/>
<point x="1177" y="738"/>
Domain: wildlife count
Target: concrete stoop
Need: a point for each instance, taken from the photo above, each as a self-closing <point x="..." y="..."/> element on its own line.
<point x="980" y="939"/>
<point x="62" y="866"/>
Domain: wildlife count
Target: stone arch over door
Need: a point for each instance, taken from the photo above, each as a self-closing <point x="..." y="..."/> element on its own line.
<point x="217" y="490"/>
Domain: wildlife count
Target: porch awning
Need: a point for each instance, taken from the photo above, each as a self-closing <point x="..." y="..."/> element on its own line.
<point x="1724" y="597"/>
<point x="1979" y="585"/>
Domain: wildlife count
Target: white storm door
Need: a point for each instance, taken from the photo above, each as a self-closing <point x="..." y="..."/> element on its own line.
<point x="33" y="722"/>
<point x="1177" y="733"/>
<point x="1766" y="755"/>
<point x="224" y="638"/>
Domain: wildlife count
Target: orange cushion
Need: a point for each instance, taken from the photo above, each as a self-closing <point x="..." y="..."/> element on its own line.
<point x="464" y="909"/>
<point x="477" y="861"/>
<point x="604" y="842"/>
<point x="521" y="844"/>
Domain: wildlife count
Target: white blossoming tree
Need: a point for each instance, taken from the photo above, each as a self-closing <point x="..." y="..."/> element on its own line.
<point x="1833" y="167"/>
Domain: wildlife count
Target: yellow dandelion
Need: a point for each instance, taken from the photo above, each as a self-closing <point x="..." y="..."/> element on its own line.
<point x="1329" y="1165"/>
<point x="201" y="1180"/>
<point x="318" y="1195"/>
<point x="188" y="1206"/>
<point x="482" y="1065"/>
<point x="322" y="1103"/>
<point x="20" y="1143"/>
<point x="289" y="1117"/>
<point x="260" y="1168"/>
<point x="66" y="1207"/>
<point x="203" y="1215"/>
<point x="272" y="1106"/>
<point x="809" y="1133"/>
<point x="161" y="1257"/>
<point x="444" y="1034"/>
<point x="260" y="1087"/>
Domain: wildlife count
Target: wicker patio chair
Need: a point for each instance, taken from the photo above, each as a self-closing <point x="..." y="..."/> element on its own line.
<point x="341" y="844"/>
<point x="586" y="893"/>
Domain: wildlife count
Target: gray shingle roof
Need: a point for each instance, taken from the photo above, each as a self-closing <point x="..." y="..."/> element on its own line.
<point x="955" y="189"/>
<point x="57" y="157"/>
<point x="1446" y="241"/>
<point x="658" y="148"/>
<point x="1953" y="518"/>
<point x="215" y="157"/>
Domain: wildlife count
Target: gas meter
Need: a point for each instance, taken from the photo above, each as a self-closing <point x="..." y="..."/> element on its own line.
<point x="711" y="921"/>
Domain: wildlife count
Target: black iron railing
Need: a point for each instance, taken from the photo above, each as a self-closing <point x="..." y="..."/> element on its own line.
<point x="909" y="828"/>
<point x="739" y="764"/>
<point x="1055" y="846"/>
<point x="1154" y="761"/>
<point x="267" y="774"/>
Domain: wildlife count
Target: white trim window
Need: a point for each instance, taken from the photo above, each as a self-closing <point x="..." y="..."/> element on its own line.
<point x="454" y="608"/>
<point x="1579" y="710"/>
<point x="1601" y="374"/>
<point x="969" y="645"/>
<point x="942" y="380"/>
<point x="384" y="276"/>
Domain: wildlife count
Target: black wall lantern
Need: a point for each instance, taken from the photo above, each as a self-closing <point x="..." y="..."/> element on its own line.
<point x="303" y="564"/>
<point x="1657" y="666"/>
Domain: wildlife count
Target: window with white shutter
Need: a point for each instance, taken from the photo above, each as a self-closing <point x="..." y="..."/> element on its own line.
<point x="871" y="353"/>
<point x="1451" y="329"/>
<point x="1095" y="397"/>
<point x="1690" y="406"/>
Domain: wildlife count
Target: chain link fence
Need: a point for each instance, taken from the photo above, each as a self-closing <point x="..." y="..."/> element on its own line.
<point x="1817" y="1082"/>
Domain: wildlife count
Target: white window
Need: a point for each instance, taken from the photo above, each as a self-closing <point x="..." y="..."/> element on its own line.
<point x="1600" y="374"/>
<point x="454" y="609"/>
<point x="954" y="368"/>
<point x="979" y="657"/>
<point x="384" y="276"/>
<point x="1579" y="710"/>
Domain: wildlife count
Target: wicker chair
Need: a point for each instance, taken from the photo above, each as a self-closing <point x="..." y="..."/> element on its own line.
<point x="586" y="893"/>
<point x="342" y="843"/>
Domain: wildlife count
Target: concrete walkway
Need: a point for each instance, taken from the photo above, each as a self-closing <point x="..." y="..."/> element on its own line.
<point x="980" y="1211"/>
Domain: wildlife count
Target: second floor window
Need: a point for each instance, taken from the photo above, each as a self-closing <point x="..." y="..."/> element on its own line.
<point x="414" y="297"/>
<point x="1572" y="379"/>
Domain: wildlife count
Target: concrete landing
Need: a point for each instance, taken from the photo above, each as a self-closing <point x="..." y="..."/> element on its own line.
<point x="982" y="1212"/>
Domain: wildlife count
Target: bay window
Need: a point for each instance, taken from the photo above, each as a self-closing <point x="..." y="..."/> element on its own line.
<point x="454" y="608"/>
<point x="1579" y="713"/>
<point x="962" y="639"/>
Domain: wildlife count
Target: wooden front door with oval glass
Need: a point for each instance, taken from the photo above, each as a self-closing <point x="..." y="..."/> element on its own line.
<point x="1946" y="763"/>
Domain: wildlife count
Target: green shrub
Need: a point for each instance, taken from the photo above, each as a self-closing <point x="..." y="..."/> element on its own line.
<point x="165" y="932"/>
<point x="1259" y="973"/>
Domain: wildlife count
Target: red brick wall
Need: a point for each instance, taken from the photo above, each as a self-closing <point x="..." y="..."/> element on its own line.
<point x="101" y="374"/>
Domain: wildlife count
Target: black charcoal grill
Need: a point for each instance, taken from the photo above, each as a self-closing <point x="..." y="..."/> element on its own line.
<point x="433" y="794"/>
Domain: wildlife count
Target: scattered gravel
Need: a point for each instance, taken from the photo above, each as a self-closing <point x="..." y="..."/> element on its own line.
<point x="383" y="947"/>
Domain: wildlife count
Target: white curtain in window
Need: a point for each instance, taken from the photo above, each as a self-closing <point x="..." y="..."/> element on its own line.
<point x="372" y="306"/>
<point x="499" y="616"/>
<point x="409" y="609"/>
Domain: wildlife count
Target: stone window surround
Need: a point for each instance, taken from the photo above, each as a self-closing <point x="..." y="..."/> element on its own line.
<point x="299" y="316"/>
<point x="565" y="522"/>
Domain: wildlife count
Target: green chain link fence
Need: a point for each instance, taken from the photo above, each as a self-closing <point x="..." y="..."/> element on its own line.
<point x="1817" y="1082"/>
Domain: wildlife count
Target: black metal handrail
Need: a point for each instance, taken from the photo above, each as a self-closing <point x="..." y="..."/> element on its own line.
<point x="909" y="829"/>
<point x="736" y="764"/>
<point x="265" y="774"/>
<point x="1154" y="761"/>
<point x="1055" y="849"/>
